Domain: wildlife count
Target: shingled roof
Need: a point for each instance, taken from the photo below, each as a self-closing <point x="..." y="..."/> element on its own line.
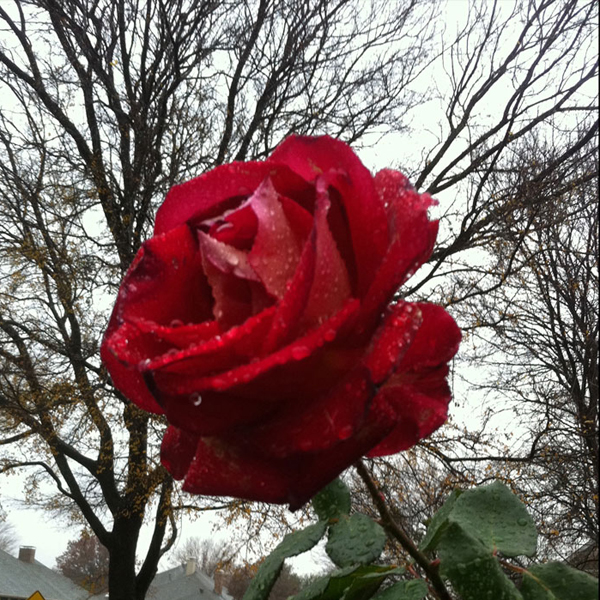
<point x="184" y="582"/>
<point x="21" y="577"/>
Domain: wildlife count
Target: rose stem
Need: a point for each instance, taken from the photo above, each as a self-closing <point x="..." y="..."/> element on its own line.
<point x="397" y="532"/>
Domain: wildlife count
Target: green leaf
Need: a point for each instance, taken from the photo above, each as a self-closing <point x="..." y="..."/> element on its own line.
<point x="473" y="570"/>
<point x="292" y="545"/>
<point x="491" y="514"/>
<point x="351" y="583"/>
<point x="355" y="539"/>
<point x="439" y="522"/>
<point x="416" y="589"/>
<point x="557" y="581"/>
<point x="333" y="501"/>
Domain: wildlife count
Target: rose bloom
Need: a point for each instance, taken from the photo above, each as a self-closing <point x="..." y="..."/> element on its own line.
<point x="260" y="320"/>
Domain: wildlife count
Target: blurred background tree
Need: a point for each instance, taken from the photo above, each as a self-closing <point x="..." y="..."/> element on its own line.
<point x="8" y="537"/>
<point x="85" y="561"/>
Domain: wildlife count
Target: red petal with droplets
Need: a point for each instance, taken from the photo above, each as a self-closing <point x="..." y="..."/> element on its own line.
<point x="320" y="423"/>
<point x="216" y="413"/>
<point x="412" y="240"/>
<point x="393" y="340"/>
<point x="178" y="335"/>
<point x="166" y="282"/>
<point x="301" y="349"/>
<point x="227" y="467"/>
<point x="286" y="322"/>
<point x="128" y="380"/>
<point x="341" y="168"/>
<point x="237" y="228"/>
<point x="418" y="392"/>
<point x="318" y="469"/>
<point x="419" y="408"/>
<point x="331" y="286"/>
<point x="436" y="342"/>
<point x="223" y="189"/>
<point x="275" y="253"/>
<point x="219" y="353"/>
<point x="177" y="451"/>
<point x="235" y="287"/>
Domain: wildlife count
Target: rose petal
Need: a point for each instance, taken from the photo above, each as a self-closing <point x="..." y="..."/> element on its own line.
<point x="436" y="342"/>
<point x="166" y="282"/>
<point x="299" y="219"/>
<point x="286" y="322"/>
<point x="318" y="469"/>
<point x="302" y="349"/>
<point x="228" y="468"/>
<point x="324" y="156"/>
<point x="235" y="286"/>
<point x="320" y="285"/>
<point x="392" y="340"/>
<point x="418" y="392"/>
<point x="225" y="258"/>
<point x="178" y="334"/>
<point x="219" y="353"/>
<point x="216" y="413"/>
<point x="275" y="252"/>
<point x="128" y="380"/>
<point x="319" y="423"/>
<point x="222" y="189"/>
<point x="236" y="228"/>
<point x="177" y="451"/>
<point x="420" y="409"/>
<point x="220" y="469"/>
<point x="412" y="240"/>
<point x="331" y="285"/>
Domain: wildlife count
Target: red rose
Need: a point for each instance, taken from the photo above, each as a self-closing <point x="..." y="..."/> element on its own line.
<point x="258" y="320"/>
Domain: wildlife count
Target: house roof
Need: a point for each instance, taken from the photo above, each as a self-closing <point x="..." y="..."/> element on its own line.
<point x="174" y="584"/>
<point x="21" y="579"/>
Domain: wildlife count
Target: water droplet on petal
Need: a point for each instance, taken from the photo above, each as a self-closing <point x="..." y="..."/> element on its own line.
<point x="196" y="399"/>
<point x="300" y="352"/>
<point x="344" y="432"/>
<point x="330" y="335"/>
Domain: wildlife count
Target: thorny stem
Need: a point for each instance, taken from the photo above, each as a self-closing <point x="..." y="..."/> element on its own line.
<point x="511" y="567"/>
<point x="394" y="530"/>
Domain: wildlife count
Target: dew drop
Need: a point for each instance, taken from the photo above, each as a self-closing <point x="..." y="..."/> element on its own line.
<point x="196" y="399"/>
<point x="330" y="335"/>
<point x="300" y="352"/>
<point x="344" y="432"/>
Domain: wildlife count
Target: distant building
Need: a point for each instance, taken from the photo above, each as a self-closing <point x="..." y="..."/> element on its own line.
<point x="21" y="577"/>
<point x="186" y="582"/>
